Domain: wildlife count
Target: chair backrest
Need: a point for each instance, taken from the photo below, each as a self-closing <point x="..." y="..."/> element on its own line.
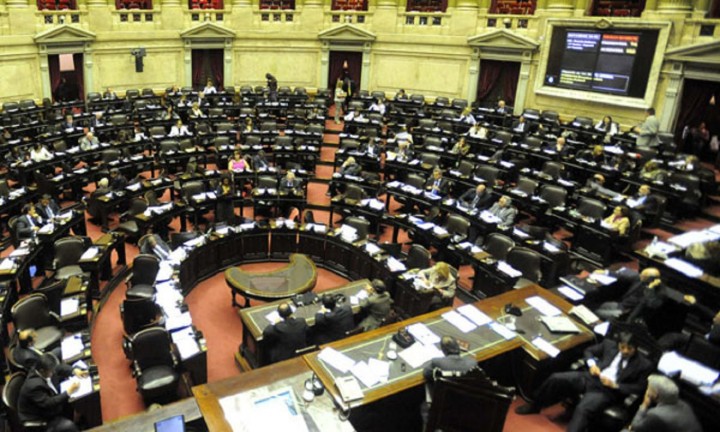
<point x="460" y="103"/>
<point x="349" y="144"/>
<point x="502" y="137"/>
<point x="426" y="123"/>
<point x="11" y="391"/>
<point x="60" y="146"/>
<point x="469" y="403"/>
<point x="488" y="173"/>
<point x="442" y="100"/>
<point x="148" y="92"/>
<point x="549" y="116"/>
<point x="553" y="169"/>
<point x="527" y="185"/>
<point x="151" y="198"/>
<point x="138" y="313"/>
<point x="137" y="206"/>
<point x="430" y="159"/>
<point x="145" y="269"/>
<point x="498" y="245"/>
<point x="433" y="141"/>
<point x="418" y="98"/>
<point x="193" y="188"/>
<point x="110" y="155"/>
<point x="377" y="94"/>
<point x="68" y="251"/>
<point x="415" y="181"/>
<point x="583" y="122"/>
<point x="533" y="142"/>
<point x="169" y="146"/>
<point x="554" y="195"/>
<point x="531" y="114"/>
<point x="526" y="261"/>
<point x="354" y="192"/>
<point x="151" y="347"/>
<point x="54" y="294"/>
<point x="457" y="225"/>
<point x="132" y="93"/>
<point x="267" y="182"/>
<point x="466" y="168"/>
<point x="700" y="349"/>
<point x="268" y="126"/>
<point x="32" y="311"/>
<point x="360" y="224"/>
<point x="118" y="119"/>
<point x="591" y="208"/>
<point x="418" y="257"/>
<point x="179" y="238"/>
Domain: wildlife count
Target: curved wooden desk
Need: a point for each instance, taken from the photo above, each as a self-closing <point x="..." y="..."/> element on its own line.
<point x="299" y="276"/>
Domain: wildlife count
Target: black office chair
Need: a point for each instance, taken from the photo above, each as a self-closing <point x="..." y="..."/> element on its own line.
<point x="154" y="365"/>
<point x="429" y="160"/>
<point x="457" y="226"/>
<point x="502" y="138"/>
<point x="415" y="180"/>
<point x="34" y="312"/>
<point x="138" y="314"/>
<point x="144" y="271"/>
<point x="459" y="104"/>
<point x="418" y="258"/>
<point x="68" y="251"/>
<point x="533" y="142"/>
<point x="55" y="293"/>
<point x="555" y="196"/>
<point x="527" y="262"/>
<point x="442" y="101"/>
<point x="591" y="208"/>
<point x="553" y="169"/>
<point x="11" y="395"/>
<point x="487" y="174"/>
<point x="469" y="403"/>
<point x="583" y="122"/>
<point x="354" y="193"/>
<point x="498" y="245"/>
<point x="129" y="226"/>
<point x="427" y="123"/>
<point x="526" y="186"/>
<point x="178" y="239"/>
<point x="361" y="225"/>
<point x="465" y="168"/>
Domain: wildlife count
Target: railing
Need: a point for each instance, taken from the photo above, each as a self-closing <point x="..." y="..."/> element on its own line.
<point x="213" y="15"/>
<point x="48" y="18"/>
<point x="346" y="16"/>
<point x="136" y="17"/>
<point x="424" y="19"/>
<point x="276" y="16"/>
<point x="516" y="22"/>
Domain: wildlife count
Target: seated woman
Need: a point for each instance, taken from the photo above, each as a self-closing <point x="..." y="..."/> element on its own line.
<point x="608" y="128"/>
<point x="349" y="167"/>
<point x="461" y="147"/>
<point x="439" y="281"/>
<point x="238" y="163"/>
<point x="652" y="172"/>
<point x="618" y="221"/>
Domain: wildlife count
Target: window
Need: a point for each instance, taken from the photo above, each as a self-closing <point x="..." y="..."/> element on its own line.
<point x="426" y="5"/>
<point x="513" y="7"/>
<point x="56" y="4"/>
<point x="133" y="4"/>
<point x="277" y="4"/>
<point x="206" y="4"/>
<point x="356" y="5"/>
<point x="615" y="8"/>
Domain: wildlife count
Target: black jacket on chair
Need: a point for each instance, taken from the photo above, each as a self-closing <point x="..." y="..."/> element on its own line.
<point x="285" y="338"/>
<point x="331" y="326"/>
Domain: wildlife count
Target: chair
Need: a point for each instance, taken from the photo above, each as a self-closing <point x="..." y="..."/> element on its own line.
<point x="416" y="181"/>
<point x="526" y="186"/>
<point x="531" y="114"/>
<point x="148" y="92"/>
<point x="354" y="193"/>
<point x="549" y="116"/>
<point x="118" y="119"/>
<point x="417" y="98"/>
<point x="527" y="262"/>
<point x="430" y="159"/>
<point x="553" y="169"/>
<point x="144" y="271"/>
<point x="60" y="146"/>
<point x="591" y="208"/>
<point x="457" y="226"/>
<point x="138" y="314"/>
<point x="34" y="312"/>
<point x="154" y="365"/>
<point x="349" y="144"/>
<point x="68" y="251"/>
<point x="498" y="245"/>
<point x="502" y="138"/>
<point x="465" y="168"/>
<point x="55" y="292"/>
<point x="583" y="122"/>
<point x="132" y="94"/>
<point x="10" y="395"/>
<point x="427" y="123"/>
<point x="469" y="403"/>
<point x="179" y="238"/>
<point x="488" y="174"/>
<point x="360" y="224"/>
<point x="533" y="142"/>
<point x="418" y="258"/>
<point x="151" y="198"/>
<point x="459" y="104"/>
<point x="130" y="227"/>
<point x="555" y="196"/>
<point x="442" y="101"/>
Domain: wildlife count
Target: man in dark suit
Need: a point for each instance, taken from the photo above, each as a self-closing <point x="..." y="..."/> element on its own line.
<point x="47" y="208"/>
<point x="333" y="321"/>
<point x="644" y="203"/>
<point x="259" y="162"/>
<point x="27" y="224"/>
<point x="286" y="336"/>
<point x="437" y="184"/>
<point x="478" y="199"/>
<point x="615" y="370"/>
<point x="521" y="126"/>
<point x="40" y="399"/>
<point x="69" y="122"/>
<point x="117" y="180"/>
<point x="504" y="210"/>
<point x="377" y="305"/>
<point x="290" y="184"/>
<point x="26" y="355"/>
<point x="662" y="410"/>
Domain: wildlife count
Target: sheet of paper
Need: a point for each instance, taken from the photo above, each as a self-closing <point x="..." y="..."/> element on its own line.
<point x="90" y="253"/>
<point x="380" y="367"/>
<point x="187" y="348"/>
<point x="85" y="388"/>
<point x="395" y="266"/>
<point x="502" y="330"/>
<point x="459" y="321"/>
<point x="545" y="346"/>
<point x="336" y="359"/>
<point x="273" y="317"/>
<point x="684" y="267"/>
<point x="365" y="374"/>
<point x="543" y="306"/>
<point x="46" y="229"/>
<point x="686" y="239"/>
<point x="474" y="314"/>
<point x="418" y="354"/>
<point x="19" y="252"/>
<point x="178" y="321"/>
<point x="186" y="333"/>
<point x="602" y="279"/>
<point x="570" y="293"/>
<point x="164" y="273"/>
<point x="71" y="346"/>
<point x="423" y="334"/>
<point x="69" y="306"/>
<point x="602" y="328"/>
<point x="690" y="370"/>
<point x="508" y="269"/>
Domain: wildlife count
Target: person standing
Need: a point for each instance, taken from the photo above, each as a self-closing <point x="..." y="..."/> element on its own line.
<point x="647" y="131"/>
<point x="340" y="96"/>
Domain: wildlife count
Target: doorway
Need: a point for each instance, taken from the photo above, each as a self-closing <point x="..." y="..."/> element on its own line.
<point x="207" y="64"/>
<point x="700" y="104"/>
<point x="345" y="66"/>
<point x="497" y="80"/>
<point x="67" y="80"/>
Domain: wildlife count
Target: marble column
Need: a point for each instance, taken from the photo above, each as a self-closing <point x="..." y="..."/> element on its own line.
<point x="467" y="4"/>
<point x="560" y="5"/>
<point x="675" y="5"/>
<point x="473" y="75"/>
<point x="17" y="4"/>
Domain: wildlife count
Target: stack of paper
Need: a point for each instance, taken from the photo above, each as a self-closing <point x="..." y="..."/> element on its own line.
<point x="69" y="306"/>
<point x="90" y="253"/>
<point x="423" y="334"/>
<point x="85" y="388"/>
<point x="459" y="321"/>
<point x="545" y="346"/>
<point x="474" y="314"/>
<point x="418" y="354"/>
<point x="336" y="359"/>
<point x="543" y="306"/>
<point x="71" y="346"/>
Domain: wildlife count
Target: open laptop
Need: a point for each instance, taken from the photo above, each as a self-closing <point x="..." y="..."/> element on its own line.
<point x="172" y="424"/>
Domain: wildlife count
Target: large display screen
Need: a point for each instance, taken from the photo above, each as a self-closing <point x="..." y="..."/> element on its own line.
<point x="614" y="62"/>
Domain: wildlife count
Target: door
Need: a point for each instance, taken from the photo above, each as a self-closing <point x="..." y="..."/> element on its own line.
<point x="497" y="80"/>
<point x="207" y="64"/>
<point x="698" y="117"/>
<point x="67" y="80"/>
<point x="345" y="66"/>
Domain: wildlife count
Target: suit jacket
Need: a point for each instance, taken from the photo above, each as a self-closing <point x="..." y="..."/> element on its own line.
<point x="483" y="201"/>
<point x="259" y="162"/>
<point x="666" y="418"/>
<point x="648" y="136"/>
<point x="37" y="401"/>
<point x="353" y="169"/>
<point x="285" y="338"/>
<point x="23" y="227"/>
<point x="118" y="183"/>
<point x="451" y="363"/>
<point x="505" y="214"/>
<point x="147" y="249"/>
<point x="633" y="377"/>
<point x="28" y="358"/>
<point x="331" y="326"/>
<point x="650" y="205"/>
<point x="377" y="307"/>
<point x="43" y="211"/>
<point x="287" y="185"/>
<point x="444" y="184"/>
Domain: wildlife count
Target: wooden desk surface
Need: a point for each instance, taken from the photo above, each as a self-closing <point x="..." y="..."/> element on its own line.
<point x="710" y="280"/>
<point x="145" y="421"/>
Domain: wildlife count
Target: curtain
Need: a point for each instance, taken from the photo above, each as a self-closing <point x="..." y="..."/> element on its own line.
<point x="215" y="57"/>
<point x="197" y="68"/>
<point x="79" y="75"/>
<point x="510" y="75"/>
<point x="695" y="106"/>
<point x="54" y="66"/>
<point x="489" y="75"/>
<point x="352" y="72"/>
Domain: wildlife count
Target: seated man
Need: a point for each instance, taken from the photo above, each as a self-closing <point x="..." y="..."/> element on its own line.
<point x="662" y="410"/>
<point x="477" y="199"/>
<point x="47" y="208"/>
<point x="377" y="305"/>
<point x="333" y="321"/>
<point x="595" y="186"/>
<point x="504" y="210"/>
<point x="29" y="223"/>
<point x="644" y="203"/>
<point x="28" y="356"/>
<point x="437" y="184"/>
<point x="615" y="371"/>
<point x="290" y="184"/>
<point x="117" y="180"/>
<point x="41" y="400"/>
<point x="89" y="142"/>
<point x="286" y="336"/>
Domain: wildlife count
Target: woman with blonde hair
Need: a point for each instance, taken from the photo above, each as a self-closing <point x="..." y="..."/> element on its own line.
<point x="340" y="96"/>
<point x="439" y="281"/>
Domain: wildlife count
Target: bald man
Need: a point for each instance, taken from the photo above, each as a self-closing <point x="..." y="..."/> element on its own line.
<point x="287" y="336"/>
<point x="89" y="142"/>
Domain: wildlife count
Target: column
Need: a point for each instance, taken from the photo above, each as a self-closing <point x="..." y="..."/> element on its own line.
<point x="473" y="75"/>
<point x="45" y="72"/>
<point x="560" y="4"/>
<point x="88" y="69"/>
<point x="651" y="5"/>
<point x="385" y="16"/>
<point x="171" y="3"/>
<point x="675" y="5"/>
<point x="18" y="4"/>
<point x="312" y="14"/>
<point x="228" y="63"/>
<point x="324" y="65"/>
<point x="673" y="97"/>
<point x="465" y="16"/>
<point x="365" y="72"/>
<point x="523" y="80"/>
<point x="701" y="8"/>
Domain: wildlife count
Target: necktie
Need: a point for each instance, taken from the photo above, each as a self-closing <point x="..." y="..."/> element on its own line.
<point x="475" y="200"/>
<point x="32" y="222"/>
<point x="50" y="213"/>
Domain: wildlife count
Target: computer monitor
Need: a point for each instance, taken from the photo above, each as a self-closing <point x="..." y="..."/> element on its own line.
<point x="172" y="424"/>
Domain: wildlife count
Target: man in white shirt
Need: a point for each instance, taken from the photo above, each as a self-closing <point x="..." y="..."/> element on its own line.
<point x="179" y="129"/>
<point x="377" y="106"/>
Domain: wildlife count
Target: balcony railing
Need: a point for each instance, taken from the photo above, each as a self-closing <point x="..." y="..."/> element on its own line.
<point x="212" y="15"/>
<point x="276" y="16"/>
<point x="136" y="17"/>
<point x="424" y="19"/>
<point x="517" y="22"/>
<point x="347" y="17"/>
<point x="58" y="17"/>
